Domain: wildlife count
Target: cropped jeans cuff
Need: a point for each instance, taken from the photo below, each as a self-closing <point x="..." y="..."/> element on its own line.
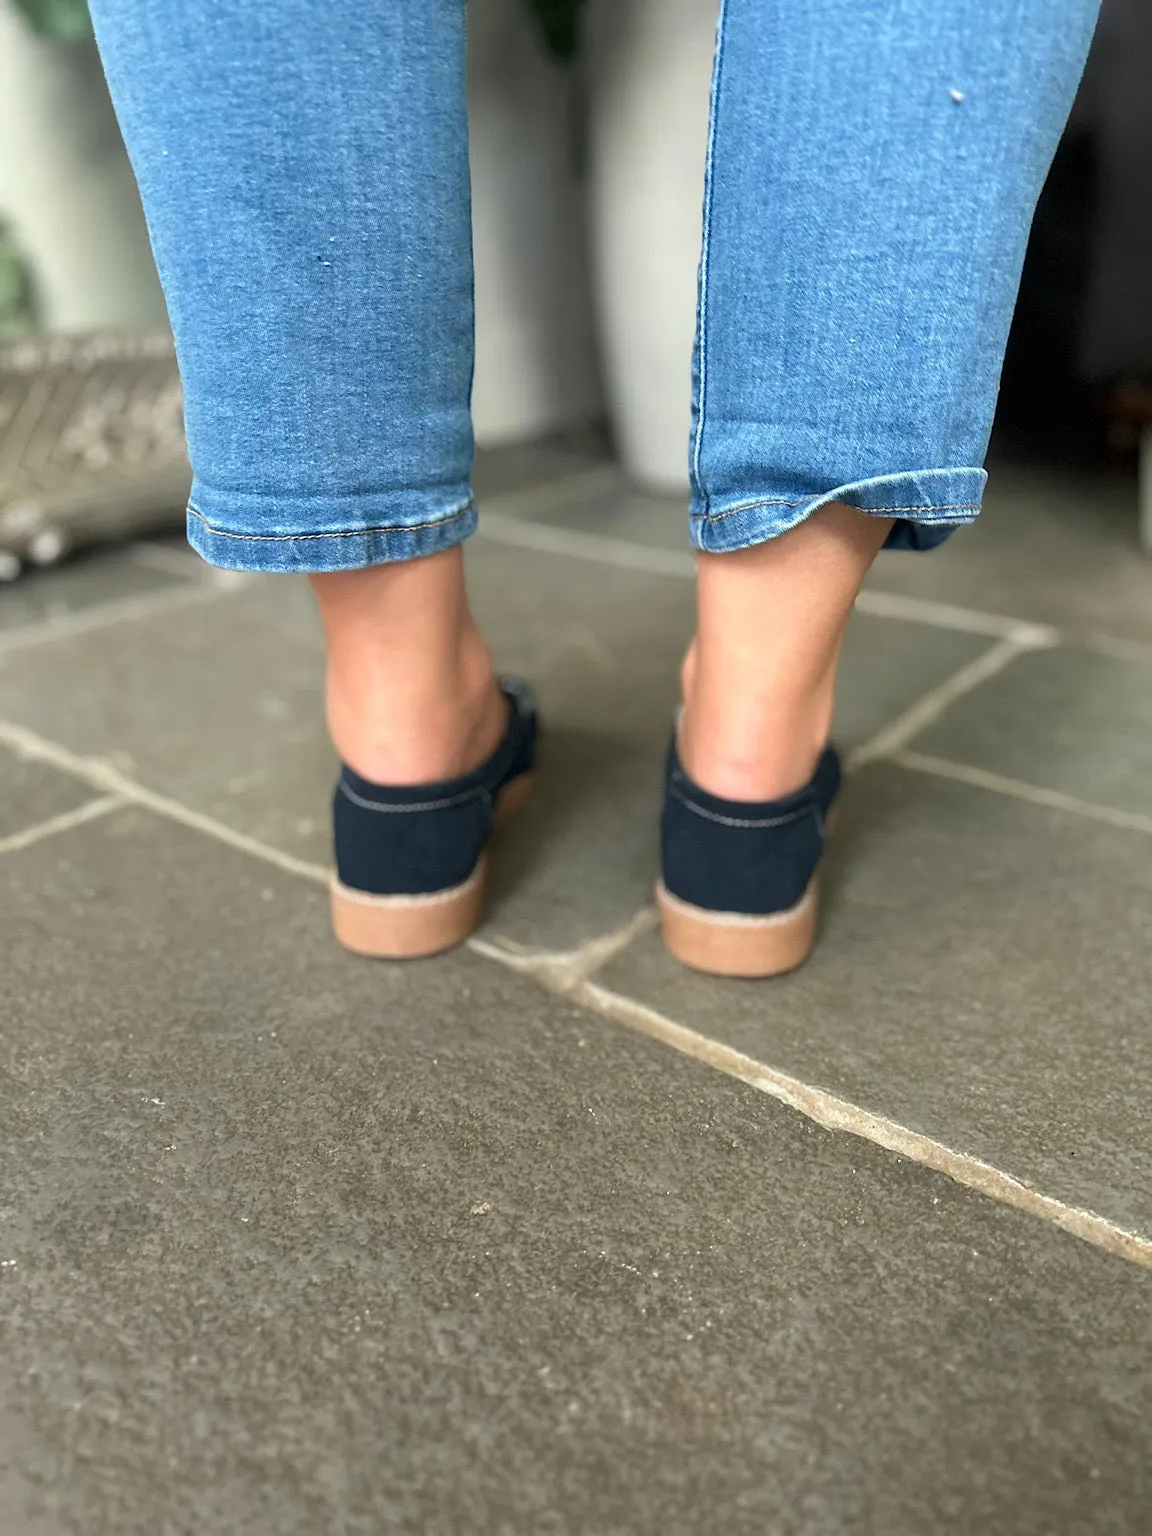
<point x="329" y="533"/>
<point x="928" y="505"/>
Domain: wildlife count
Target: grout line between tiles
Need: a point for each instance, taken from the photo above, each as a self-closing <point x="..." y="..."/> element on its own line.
<point x="566" y="969"/>
<point x="1017" y="789"/>
<point x="969" y="621"/>
<point x="625" y="555"/>
<point x="1016" y="637"/>
<point x="144" y="606"/>
<point x="212" y="582"/>
<point x="1118" y="649"/>
<point x="91" y="810"/>
<point x="175" y="561"/>
<point x="102" y="775"/>
<point x="600" y="548"/>
<point x="551" y="495"/>
<point x="896" y="735"/>
<point x="569" y="975"/>
<point x="500" y="523"/>
<point x="837" y="1114"/>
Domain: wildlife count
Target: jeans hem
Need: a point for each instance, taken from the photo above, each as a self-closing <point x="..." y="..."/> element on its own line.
<point x="928" y="505"/>
<point x="349" y="548"/>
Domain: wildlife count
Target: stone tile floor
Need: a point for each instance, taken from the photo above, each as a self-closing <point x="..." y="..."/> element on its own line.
<point x="549" y="1235"/>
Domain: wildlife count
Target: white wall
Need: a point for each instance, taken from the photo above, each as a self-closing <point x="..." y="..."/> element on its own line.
<point x="66" y="189"/>
<point x="535" y="354"/>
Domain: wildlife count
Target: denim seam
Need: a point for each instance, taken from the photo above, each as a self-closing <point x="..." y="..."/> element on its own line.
<point x="705" y="253"/>
<point x="780" y="501"/>
<point x="347" y="533"/>
<point x="736" y="821"/>
<point x="428" y="805"/>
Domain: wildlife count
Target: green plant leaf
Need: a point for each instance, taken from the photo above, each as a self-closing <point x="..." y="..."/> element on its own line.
<point x="64" y="21"/>
<point x="17" y="310"/>
<point x="559" y="22"/>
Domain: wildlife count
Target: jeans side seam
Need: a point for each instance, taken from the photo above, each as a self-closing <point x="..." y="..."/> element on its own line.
<point x="346" y="533"/>
<point x="705" y="253"/>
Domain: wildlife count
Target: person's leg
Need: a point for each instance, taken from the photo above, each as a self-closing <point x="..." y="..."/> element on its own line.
<point x="760" y="677"/>
<point x="872" y="174"/>
<point x="411" y="694"/>
<point x="304" y="170"/>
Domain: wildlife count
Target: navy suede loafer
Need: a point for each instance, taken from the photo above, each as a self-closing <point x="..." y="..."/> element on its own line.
<point x="738" y="894"/>
<point x="410" y="860"/>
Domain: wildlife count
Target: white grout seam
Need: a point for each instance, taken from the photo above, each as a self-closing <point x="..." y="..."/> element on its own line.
<point x="184" y="563"/>
<point x="1034" y="794"/>
<point x="502" y="524"/>
<point x="102" y="775"/>
<point x="969" y="621"/>
<point x="91" y="810"/>
<point x="837" y="1114"/>
<point x="1118" y="649"/>
<point x="568" y="973"/>
<point x="564" y="970"/>
<point x="626" y="555"/>
<point x="553" y="495"/>
<point x="600" y="548"/>
<point x="202" y="583"/>
<point x="898" y="733"/>
<point x="146" y="605"/>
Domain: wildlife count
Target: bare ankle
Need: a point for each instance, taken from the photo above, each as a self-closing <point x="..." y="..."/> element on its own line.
<point x="745" y="743"/>
<point x="394" y="727"/>
<point x="759" y="679"/>
<point x="411" y="694"/>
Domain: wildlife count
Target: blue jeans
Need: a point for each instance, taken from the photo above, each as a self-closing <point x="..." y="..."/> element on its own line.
<point x="873" y="168"/>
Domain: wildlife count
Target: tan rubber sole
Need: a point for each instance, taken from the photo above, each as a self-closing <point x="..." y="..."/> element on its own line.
<point x="736" y="944"/>
<point x="413" y="927"/>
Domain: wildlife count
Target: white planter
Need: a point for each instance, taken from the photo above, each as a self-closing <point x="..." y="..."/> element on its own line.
<point x="650" y="71"/>
<point x="535" y="352"/>
<point x="67" y="193"/>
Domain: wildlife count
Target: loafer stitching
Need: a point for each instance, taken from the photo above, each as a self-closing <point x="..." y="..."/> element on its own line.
<point x="736" y="821"/>
<point x="401" y="900"/>
<point x="480" y="792"/>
